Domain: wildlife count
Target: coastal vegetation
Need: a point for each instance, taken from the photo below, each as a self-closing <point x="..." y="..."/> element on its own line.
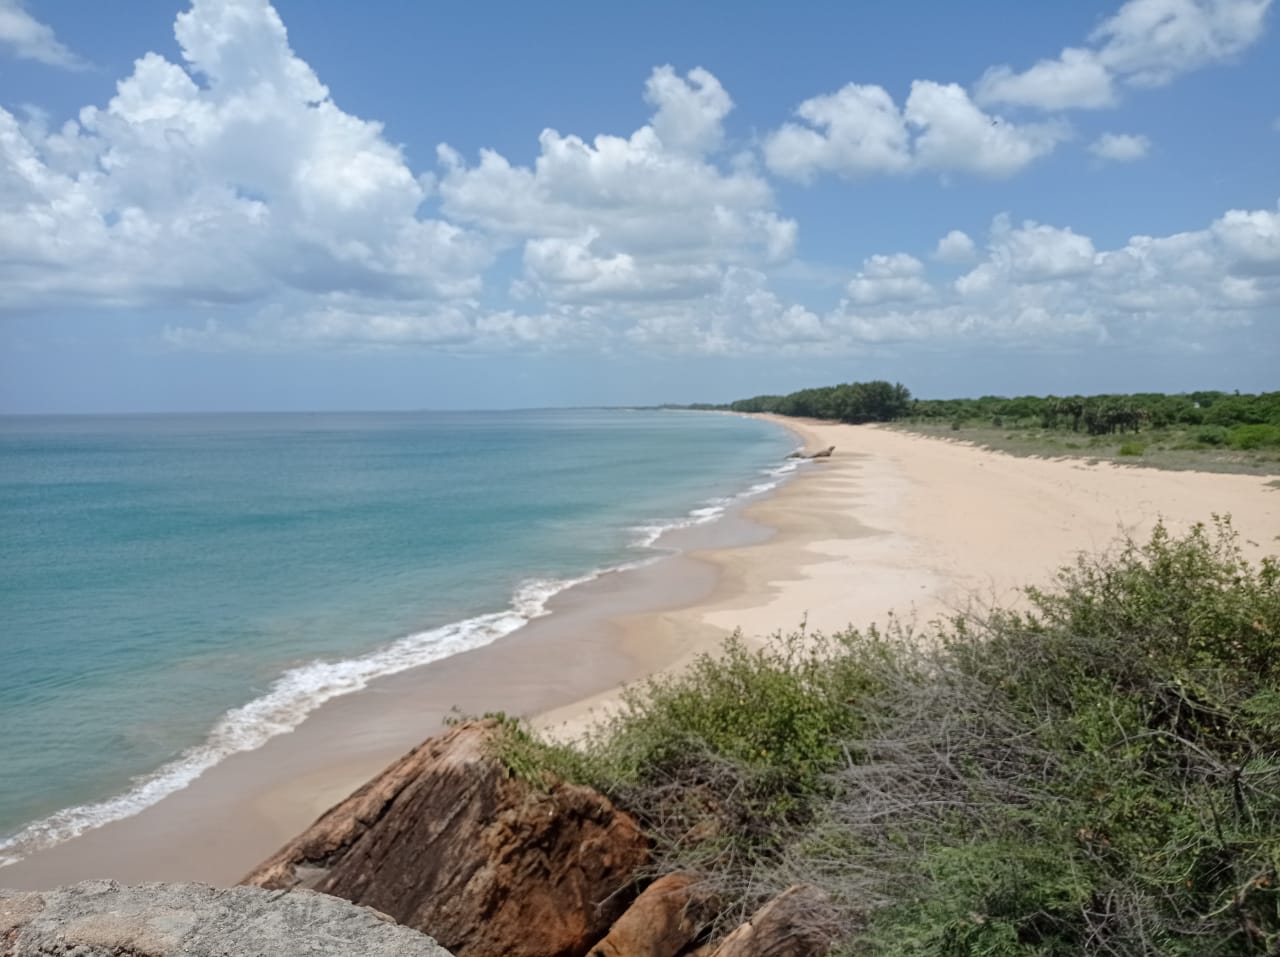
<point x="1096" y="772"/>
<point x="1203" y="430"/>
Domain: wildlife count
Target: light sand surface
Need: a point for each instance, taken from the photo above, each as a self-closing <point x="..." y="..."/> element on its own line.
<point x="893" y="522"/>
<point x="924" y="527"/>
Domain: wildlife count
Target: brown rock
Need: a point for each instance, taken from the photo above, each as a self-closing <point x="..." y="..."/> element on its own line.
<point x="663" y="921"/>
<point x="797" y="923"/>
<point x="446" y="841"/>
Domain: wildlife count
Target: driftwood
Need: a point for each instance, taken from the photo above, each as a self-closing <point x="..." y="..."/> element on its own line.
<point x="824" y="454"/>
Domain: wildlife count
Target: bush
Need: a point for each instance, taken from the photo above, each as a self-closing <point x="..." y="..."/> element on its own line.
<point x="1132" y="448"/>
<point x="1097" y="774"/>
<point x="1254" y="436"/>
<point x="1212" y="435"/>
<point x="724" y="762"/>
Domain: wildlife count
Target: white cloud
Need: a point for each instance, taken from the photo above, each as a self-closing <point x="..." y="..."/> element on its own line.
<point x="30" y="39"/>
<point x="1041" y="285"/>
<point x="1251" y="238"/>
<point x="860" y="130"/>
<point x="856" y="130"/>
<point x="1120" y="147"/>
<point x="895" y="278"/>
<point x="956" y="134"/>
<point x="1146" y="43"/>
<point x="1029" y="253"/>
<point x="955" y="247"/>
<point x="1036" y="286"/>
<point x="689" y="112"/>
<point x="1077" y="78"/>
<point x="1149" y="42"/>
<point x="230" y="179"/>
<point x="649" y="216"/>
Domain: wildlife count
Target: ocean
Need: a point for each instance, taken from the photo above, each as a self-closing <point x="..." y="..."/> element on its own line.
<point x="177" y="588"/>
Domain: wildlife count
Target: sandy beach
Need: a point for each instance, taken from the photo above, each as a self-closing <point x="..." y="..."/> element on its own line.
<point x="892" y="523"/>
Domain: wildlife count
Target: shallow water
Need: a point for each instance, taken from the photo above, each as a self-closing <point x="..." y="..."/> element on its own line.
<point x="177" y="588"/>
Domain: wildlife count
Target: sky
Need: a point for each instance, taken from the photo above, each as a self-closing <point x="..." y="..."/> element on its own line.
<point x="233" y="205"/>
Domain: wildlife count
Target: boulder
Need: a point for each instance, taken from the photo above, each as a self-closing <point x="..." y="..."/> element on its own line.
<point x="104" y="919"/>
<point x="663" y="921"/>
<point x="446" y="839"/>
<point x="799" y="922"/>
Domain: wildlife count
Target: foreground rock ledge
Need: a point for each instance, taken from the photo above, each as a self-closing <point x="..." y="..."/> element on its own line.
<point x="447" y="841"/>
<point x="104" y="919"/>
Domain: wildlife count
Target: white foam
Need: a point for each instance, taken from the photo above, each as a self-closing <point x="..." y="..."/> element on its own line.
<point x="647" y="535"/>
<point x="302" y="689"/>
<point x="293" y="696"/>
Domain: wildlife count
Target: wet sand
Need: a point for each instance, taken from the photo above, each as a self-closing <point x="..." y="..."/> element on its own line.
<point x="892" y="523"/>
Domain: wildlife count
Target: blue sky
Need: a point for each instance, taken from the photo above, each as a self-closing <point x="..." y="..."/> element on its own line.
<point x="231" y="205"/>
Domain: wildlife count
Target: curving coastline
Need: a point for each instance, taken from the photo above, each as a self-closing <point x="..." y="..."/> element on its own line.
<point x="296" y="694"/>
<point x="892" y="522"/>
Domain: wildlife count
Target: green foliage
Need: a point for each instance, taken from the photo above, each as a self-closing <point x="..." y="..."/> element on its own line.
<point x="1254" y="437"/>
<point x="1095" y="773"/>
<point x="1110" y="414"/>
<point x="1124" y="765"/>
<point x="876" y="401"/>
<point x="726" y="761"/>
<point x="1131" y="448"/>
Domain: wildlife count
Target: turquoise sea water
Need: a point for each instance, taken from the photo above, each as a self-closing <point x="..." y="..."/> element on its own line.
<point x="177" y="588"/>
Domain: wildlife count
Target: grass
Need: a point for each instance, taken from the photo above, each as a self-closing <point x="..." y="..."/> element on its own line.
<point x="1099" y="774"/>
<point x="1203" y="448"/>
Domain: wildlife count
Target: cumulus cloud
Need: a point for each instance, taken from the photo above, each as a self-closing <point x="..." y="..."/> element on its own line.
<point x="1146" y="43"/>
<point x="1077" y="79"/>
<point x="895" y="278"/>
<point x="860" y="130"/>
<point x="1120" y="147"/>
<point x="228" y="178"/>
<point x="29" y="39"/>
<point x="956" y="134"/>
<point x="689" y="111"/>
<point x="1150" y="42"/>
<point x="1035" y="285"/>
<point x="955" y="247"/>
<point x="653" y="215"/>
<point x="1029" y="253"/>
<point x="1048" y="285"/>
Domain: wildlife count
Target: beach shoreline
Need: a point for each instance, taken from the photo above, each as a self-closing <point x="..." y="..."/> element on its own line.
<point x="892" y="524"/>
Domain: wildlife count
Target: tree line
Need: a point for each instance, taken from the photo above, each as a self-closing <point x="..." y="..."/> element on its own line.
<point x="1218" y="418"/>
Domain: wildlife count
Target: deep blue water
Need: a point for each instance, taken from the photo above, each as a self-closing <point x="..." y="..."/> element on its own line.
<point x="174" y="588"/>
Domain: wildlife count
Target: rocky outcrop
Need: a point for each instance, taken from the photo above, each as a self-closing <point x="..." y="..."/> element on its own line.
<point x="447" y="841"/>
<point x="663" y="921"/>
<point x="797" y="923"/>
<point x="104" y="919"/>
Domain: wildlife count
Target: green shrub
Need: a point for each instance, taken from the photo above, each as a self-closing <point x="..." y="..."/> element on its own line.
<point x="1131" y="448"/>
<point x="1212" y="435"/>
<point x="1096" y="774"/>
<point x="1254" y="437"/>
